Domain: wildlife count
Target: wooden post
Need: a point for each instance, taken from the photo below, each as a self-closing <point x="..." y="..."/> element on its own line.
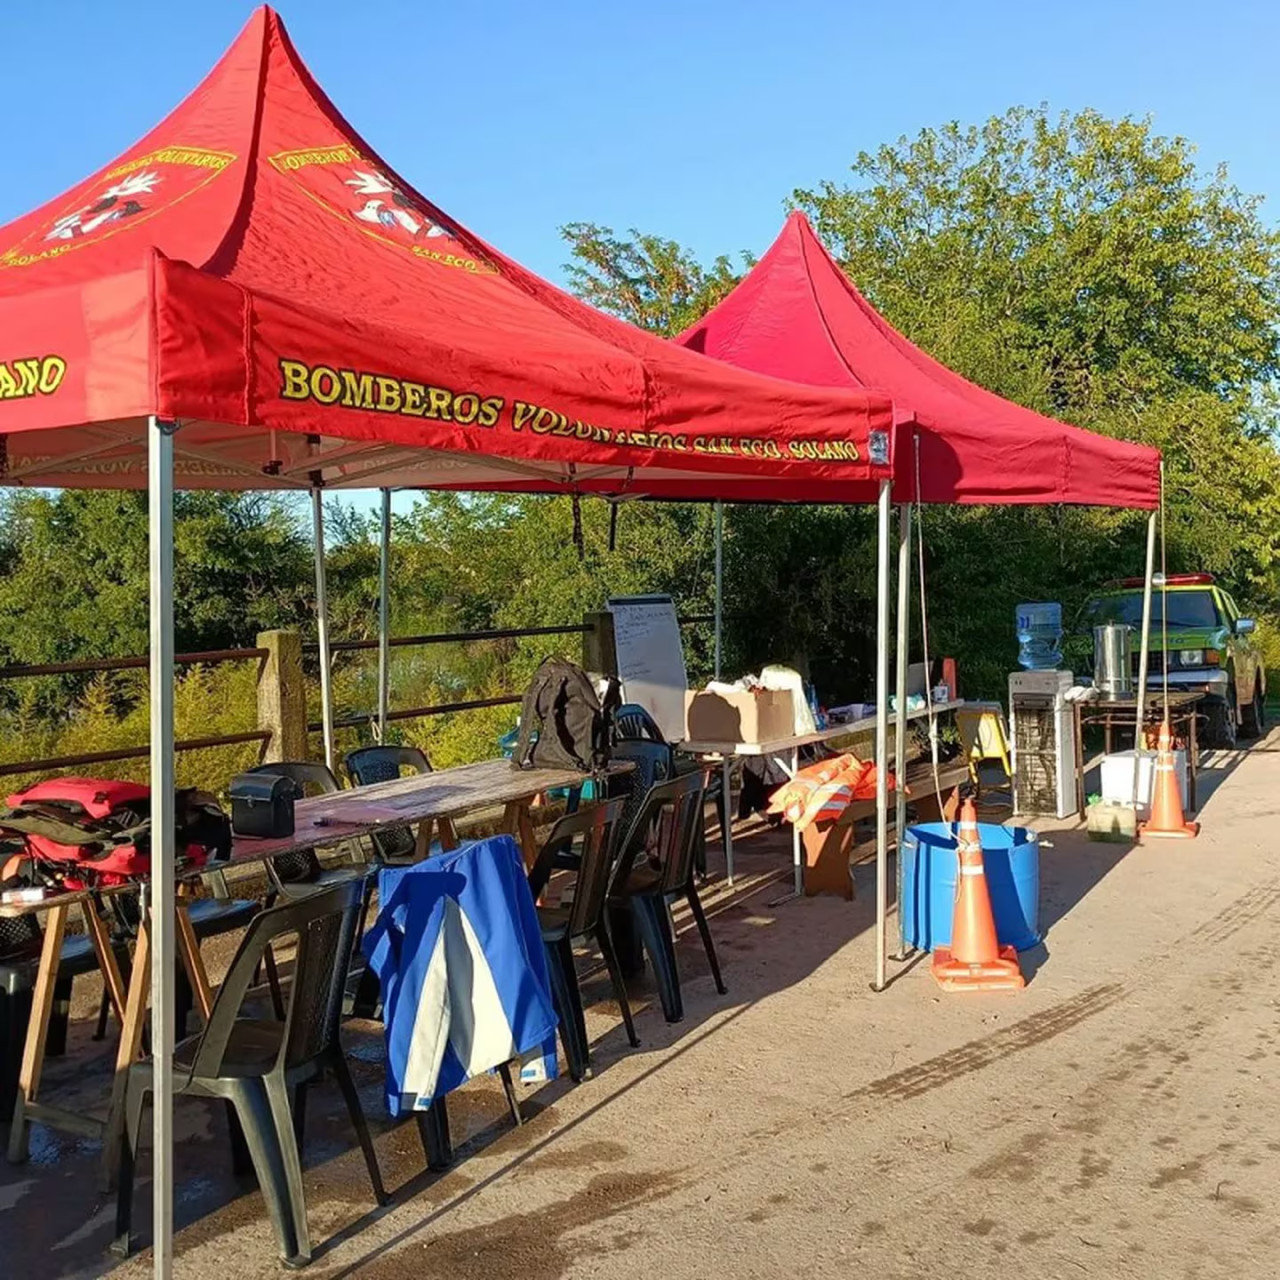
<point x="282" y="696"/>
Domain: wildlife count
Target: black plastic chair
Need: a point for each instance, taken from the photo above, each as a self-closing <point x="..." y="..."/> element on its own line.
<point x="255" y="1065"/>
<point x="633" y="723"/>
<point x="656" y="866"/>
<point x="368" y="766"/>
<point x="293" y="874"/>
<point x="585" y="841"/>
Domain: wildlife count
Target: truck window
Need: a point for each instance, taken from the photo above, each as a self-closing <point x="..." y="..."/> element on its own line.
<point x="1188" y="610"/>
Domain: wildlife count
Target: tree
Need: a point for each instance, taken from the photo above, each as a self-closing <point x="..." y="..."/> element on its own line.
<point x="1087" y="268"/>
<point x="1081" y="266"/>
<point x="648" y="281"/>
<point x="73" y="576"/>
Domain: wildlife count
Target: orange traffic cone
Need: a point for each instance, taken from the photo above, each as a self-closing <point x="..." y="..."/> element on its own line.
<point x="1166" y="821"/>
<point x="974" y="961"/>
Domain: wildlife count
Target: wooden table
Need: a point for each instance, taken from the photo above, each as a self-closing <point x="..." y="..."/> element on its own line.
<point x="421" y="799"/>
<point x="1122" y="713"/>
<point x="785" y="752"/>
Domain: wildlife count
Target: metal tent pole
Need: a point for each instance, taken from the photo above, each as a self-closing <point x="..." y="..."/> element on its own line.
<point x="900" y="745"/>
<point x="163" y="883"/>
<point x="726" y="765"/>
<point x="882" y="726"/>
<point x="719" y="586"/>
<point x="1144" y="652"/>
<point x="322" y="626"/>
<point x="384" y="618"/>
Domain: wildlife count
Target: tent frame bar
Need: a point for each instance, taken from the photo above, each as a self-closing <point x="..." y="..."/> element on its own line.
<point x="162" y="919"/>
<point x="322" y="628"/>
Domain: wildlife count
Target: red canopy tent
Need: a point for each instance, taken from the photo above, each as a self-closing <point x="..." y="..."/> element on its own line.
<point x="252" y="263"/>
<point x="796" y="315"/>
<point x="251" y="297"/>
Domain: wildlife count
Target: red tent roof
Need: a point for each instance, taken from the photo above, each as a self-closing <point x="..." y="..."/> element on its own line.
<point x="797" y="315"/>
<point x="254" y="270"/>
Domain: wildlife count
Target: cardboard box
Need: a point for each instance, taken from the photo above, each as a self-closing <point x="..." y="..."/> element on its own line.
<point x="763" y="716"/>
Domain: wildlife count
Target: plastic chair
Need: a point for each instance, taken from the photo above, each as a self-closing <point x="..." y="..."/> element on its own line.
<point x="656" y="866"/>
<point x="368" y="766"/>
<point x="586" y="840"/>
<point x="633" y="723"/>
<point x="255" y="1065"/>
<point x="301" y="872"/>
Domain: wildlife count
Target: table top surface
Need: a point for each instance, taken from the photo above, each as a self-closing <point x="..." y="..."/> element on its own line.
<point x="320" y="821"/>
<point x="831" y="732"/>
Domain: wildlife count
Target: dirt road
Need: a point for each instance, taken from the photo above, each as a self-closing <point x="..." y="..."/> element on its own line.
<point x="1119" y="1117"/>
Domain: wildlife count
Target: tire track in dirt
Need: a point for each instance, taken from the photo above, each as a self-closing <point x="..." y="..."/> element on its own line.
<point x="1235" y="916"/>
<point x="976" y="1055"/>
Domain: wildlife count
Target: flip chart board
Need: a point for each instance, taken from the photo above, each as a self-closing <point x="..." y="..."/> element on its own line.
<point x="651" y="659"/>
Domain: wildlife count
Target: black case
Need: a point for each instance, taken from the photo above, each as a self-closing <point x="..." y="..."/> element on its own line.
<point x="262" y="805"/>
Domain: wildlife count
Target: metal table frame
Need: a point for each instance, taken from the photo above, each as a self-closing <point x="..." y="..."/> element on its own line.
<point x="1122" y="713"/>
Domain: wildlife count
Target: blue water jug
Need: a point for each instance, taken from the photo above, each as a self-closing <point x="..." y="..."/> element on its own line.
<point x="1039" y="628"/>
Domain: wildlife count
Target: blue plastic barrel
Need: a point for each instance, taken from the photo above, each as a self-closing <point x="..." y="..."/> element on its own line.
<point x="1011" y="856"/>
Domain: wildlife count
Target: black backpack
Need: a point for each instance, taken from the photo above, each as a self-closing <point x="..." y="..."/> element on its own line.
<point x="563" y="724"/>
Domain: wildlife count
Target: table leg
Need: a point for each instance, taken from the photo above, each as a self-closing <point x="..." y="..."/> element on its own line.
<point x="448" y="834"/>
<point x="516" y="822"/>
<point x="193" y="963"/>
<point x="135" y="1016"/>
<point x="422" y="840"/>
<point x="1079" y="724"/>
<point x="1193" y="759"/>
<point x="100" y="935"/>
<point x="726" y="834"/>
<point x="55" y="929"/>
<point x="797" y="857"/>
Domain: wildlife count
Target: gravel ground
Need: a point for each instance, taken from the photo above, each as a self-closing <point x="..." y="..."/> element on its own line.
<point x="1117" y="1117"/>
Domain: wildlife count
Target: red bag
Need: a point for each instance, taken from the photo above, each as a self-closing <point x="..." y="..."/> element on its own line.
<point x="84" y="832"/>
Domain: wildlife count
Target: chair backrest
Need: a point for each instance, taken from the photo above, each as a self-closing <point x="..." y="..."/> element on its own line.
<point x="313" y="779"/>
<point x="653" y="764"/>
<point x="632" y="722"/>
<point x="369" y="765"/>
<point x="666" y="832"/>
<point x="589" y="839"/>
<point x="325" y="924"/>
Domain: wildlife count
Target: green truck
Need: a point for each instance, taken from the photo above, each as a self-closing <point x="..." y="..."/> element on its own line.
<point x="1211" y="648"/>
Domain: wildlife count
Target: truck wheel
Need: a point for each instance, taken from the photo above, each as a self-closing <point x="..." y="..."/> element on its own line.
<point x="1220" y="731"/>
<point x="1254" y="721"/>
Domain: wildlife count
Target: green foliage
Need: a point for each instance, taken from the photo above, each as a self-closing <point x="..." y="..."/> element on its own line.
<point x="1081" y="266"/>
<point x="648" y="281"/>
<point x="1084" y="267"/>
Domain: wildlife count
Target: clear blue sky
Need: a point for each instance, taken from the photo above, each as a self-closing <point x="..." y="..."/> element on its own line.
<point x="692" y="120"/>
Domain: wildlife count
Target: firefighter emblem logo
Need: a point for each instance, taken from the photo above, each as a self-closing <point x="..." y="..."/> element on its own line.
<point x="357" y="190"/>
<point x="125" y="196"/>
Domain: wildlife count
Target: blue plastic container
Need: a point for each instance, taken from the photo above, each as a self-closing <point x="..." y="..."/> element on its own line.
<point x="1011" y="856"/>
<point x="1039" y="629"/>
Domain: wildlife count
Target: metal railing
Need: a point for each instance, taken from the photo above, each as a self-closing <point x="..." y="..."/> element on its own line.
<point x="208" y="657"/>
<point x="457" y="637"/>
<point x="212" y="657"/>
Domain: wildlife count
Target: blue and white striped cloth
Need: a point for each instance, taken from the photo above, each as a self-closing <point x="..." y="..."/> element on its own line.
<point x="458" y="951"/>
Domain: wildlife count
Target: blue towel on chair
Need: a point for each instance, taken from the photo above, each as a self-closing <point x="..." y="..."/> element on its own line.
<point x="458" y="951"/>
